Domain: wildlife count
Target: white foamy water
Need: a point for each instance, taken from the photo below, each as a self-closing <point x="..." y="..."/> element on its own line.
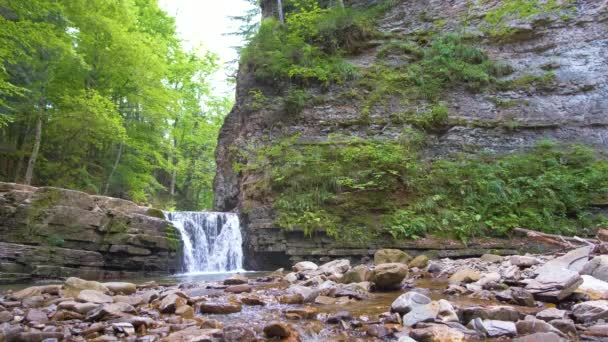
<point x="212" y="242"/>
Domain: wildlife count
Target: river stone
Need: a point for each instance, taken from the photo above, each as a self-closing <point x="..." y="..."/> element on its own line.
<point x="171" y="302"/>
<point x="437" y="333"/>
<point x="408" y="301"/>
<point x="81" y="308"/>
<point x="491" y="258"/>
<point x="465" y="275"/>
<point x="552" y="314"/>
<point x="553" y="284"/>
<point x="121" y="287"/>
<point x="65" y="315"/>
<point x="541" y="337"/>
<point x="92" y="296"/>
<point x="307" y="293"/>
<point x="522" y="297"/>
<point x="304" y="266"/>
<point x="36" y="291"/>
<point x="106" y="312"/>
<point x="33" y="302"/>
<point x="236" y="279"/>
<point x="238" y="288"/>
<point x="574" y="260"/>
<point x="389" y="276"/>
<point x="597" y="267"/>
<point x="357" y="274"/>
<point x="493" y="328"/>
<point x="252" y="300"/>
<point x="73" y="286"/>
<point x="276" y="329"/>
<point x="339" y="316"/>
<point x="339" y="266"/>
<point x="496" y="312"/>
<point x="237" y="333"/>
<point x="531" y="325"/>
<point x="185" y="311"/>
<point x="220" y="307"/>
<point x="133" y="300"/>
<point x="566" y="326"/>
<point x="291" y="298"/>
<point x="305" y="312"/>
<point x="5" y="316"/>
<point x="35" y="315"/>
<point x="420" y="261"/>
<point x="591" y="311"/>
<point x="598" y="330"/>
<point x="446" y="312"/>
<point x="291" y="277"/>
<point x="523" y="261"/>
<point x="593" y="287"/>
<point x="387" y="256"/>
<point x="421" y="313"/>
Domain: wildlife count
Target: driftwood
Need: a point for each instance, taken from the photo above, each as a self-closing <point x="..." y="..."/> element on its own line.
<point x="568" y="242"/>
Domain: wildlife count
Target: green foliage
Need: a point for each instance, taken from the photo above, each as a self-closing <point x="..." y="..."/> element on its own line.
<point x="55" y="240"/>
<point x="258" y="99"/>
<point x="544" y="81"/>
<point x="295" y="100"/>
<point x="368" y="187"/>
<point x="498" y="18"/>
<point x="430" y="120"/>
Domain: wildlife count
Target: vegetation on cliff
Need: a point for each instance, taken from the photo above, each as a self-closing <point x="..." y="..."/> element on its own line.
<point x="100" y="96"/>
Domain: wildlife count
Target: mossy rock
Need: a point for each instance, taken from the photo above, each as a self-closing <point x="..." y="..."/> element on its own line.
<point x="156" y="213"/>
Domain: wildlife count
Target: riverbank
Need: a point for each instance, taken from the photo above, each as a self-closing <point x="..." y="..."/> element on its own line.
<point x="395" y="298"/>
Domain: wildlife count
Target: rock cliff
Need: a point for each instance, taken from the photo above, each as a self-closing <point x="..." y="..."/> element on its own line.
<point x="559" y="90"/>
<point x="54" y="233"/>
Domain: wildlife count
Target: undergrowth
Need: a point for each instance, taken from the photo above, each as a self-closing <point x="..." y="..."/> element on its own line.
<point x="356" y="189"/>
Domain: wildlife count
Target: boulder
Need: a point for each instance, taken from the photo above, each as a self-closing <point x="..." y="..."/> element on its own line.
<point x="437" y="333"/>
<point x="304" y="266"/>
<point x="597" y="267"/>
<point x="465" y="275"/>
<point x="291" y="298"/>
<point x="340" y="316"/>
<point x="252" y="300"/>
<point x="408" y="301"/>
<point x="106" y="312"/>
<point x="92" y="296"/>
<point x="566" y="326"/>
<point x="171" y="302"/>
<point x="81" y="308"/>
<point x="236" y="279"/>
<point x="446" y="312"/>
<point x="554" y="283"/>
<point x="73" y="286"/>
<point x="387" y="256"/>
<point x="36" y="291"/>
<point x="420" y="261"/>
<point x="493" y="328"/>
<point x="291" y="277"/>
<point x="307" y="293"/>
<point x="276" y="329"/>
<point x="238" y="288"/>
<point x="185" y="311"/>
<point x="339" y="266"/>
<point x="591" y="311"/>
<point x="357" y="274"/>
<point x="496" y="312"/>
<point x="540" y="337"/>
<point x="523" y="261"/>
<point x="551" y="314"/>
<point x="121" y="287"/>
<point x="532" y="325"/>
<point x="421" y="313"/>
<point x="574" y="260"/>
<point x="237" y="333"/>
<point x="593" y="287"/>
<point x="491" y="258"/>
<point x="36" y="316"/>
<point x="133" y="300"/>
<point x="598" y="330"/>
<point x="389" y="276"/>
<point x="305" y="312"/>
<point x="324" y="300"/>
<point x="522" y="297"/>
<point x="220" y="307"/>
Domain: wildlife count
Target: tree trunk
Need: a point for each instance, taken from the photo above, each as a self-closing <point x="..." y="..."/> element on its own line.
<point x="280" y="10"/>
<point x="116" y="162"/>
<point x="29" y="173"/>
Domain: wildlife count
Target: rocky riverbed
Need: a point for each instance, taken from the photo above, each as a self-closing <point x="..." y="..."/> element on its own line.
<point x="392" y="298"/>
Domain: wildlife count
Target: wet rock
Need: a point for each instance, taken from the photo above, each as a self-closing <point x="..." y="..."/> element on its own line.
<point x="497" y="312"/>
<point x="465" y="275"/>
<point x="540" y="337"/>
<point x="307" y="293"/>
<point x="532" y="325"/>
<point x="574" y="260"/>
<point x="522" y="297"/>
<point x="387" y="256"/>
<point x="191" y="334"/>
<point x="277" y="329"/>
<point x="389" y="276"/>
<point x="121" y="287"/>
<point x="420" y="261"/>
<point x="422" y="313"/>
<point x="598" y="330"/>
<point x="591" y="311"/>
<point x="65" y="315"/>
<point x="236" y="279"/>
<point x="304" y="266"/>
<point x="93" y="296"/>
<point x="73" y="286"/>
<point x="357" y="274"/>
<point x="522" y="261"/>
<point x="554" y="284"/>
<point x="493" y="328"/>
<point x="305" y="312"/>
<point x="252" y="300"/>
<point x="491" y="258"/>
<point x="408" y="301"/>
<point x="237" y="333"/>
<point x="36" y="291"/>
<point x="437" y="333"/>
<point x="339" y="266"/>
<point x="551" y="314"/>
<point x="291" y="277"/>
<point x="106" y="312"/>
<point x="593" y="287"/>
<point x="339" y="316"/>
<point x="353" y="290"/>
<point x="238" y="288"/>
<point x="35" y="315"/>
<point x="597" y="267"/>
<point x="566" y="326"/>
<point x="171" y="302"/>
<point x="324" y="300"/>
<point x="446" y="312"/>
<point x="133" y="300"/>
<point x="379" y="331"/>
<point x="220" y="307"/>
<point x="149" y="296"/>
<point x="486" y="278"/>
<point x="185" y="311"/>
<point x="291" y="298"/>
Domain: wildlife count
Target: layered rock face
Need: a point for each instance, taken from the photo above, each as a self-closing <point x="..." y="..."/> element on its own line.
<point x="572" y="108"/>
<point x="50" y="232"/>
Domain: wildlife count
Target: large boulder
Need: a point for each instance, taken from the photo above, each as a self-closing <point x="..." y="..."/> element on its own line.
<point x="593" y="287"/>
<point x="465" y="275"/>
<point x="493" y="328"/>
<point x="121" y="287"/>
<point x="389" y="276"/>
<point x="597" y="267"/>
<point x="591" y="311"/>
<point x="73" y="286"/>
<point x="304" y="266"/>
<point x="420" y="261"/>
<point x="356" y="274"/>
<point x="408" y="301"/>
<point x="92" y="296"/>
<point x="339" y="266"/>
<point x="307" y="293"/>
<point x="386" y="256"/>
<point x="556" y="280"/>
<point x="495" y="312"/>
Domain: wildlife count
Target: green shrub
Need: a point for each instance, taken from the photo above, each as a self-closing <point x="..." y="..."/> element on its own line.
<point x="295" y="100"/>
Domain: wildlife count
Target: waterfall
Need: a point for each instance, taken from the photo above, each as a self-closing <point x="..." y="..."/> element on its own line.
<point x="212" y="241"/>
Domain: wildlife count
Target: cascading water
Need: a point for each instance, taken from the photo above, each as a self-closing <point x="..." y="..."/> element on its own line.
<point x="212" y="241"/>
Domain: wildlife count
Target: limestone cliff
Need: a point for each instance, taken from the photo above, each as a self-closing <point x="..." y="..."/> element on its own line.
<point x="53" y="233"/>
<point x="572" y="107"/>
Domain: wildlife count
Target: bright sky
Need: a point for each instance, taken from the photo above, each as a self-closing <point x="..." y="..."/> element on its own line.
<point x="205" y="22"/>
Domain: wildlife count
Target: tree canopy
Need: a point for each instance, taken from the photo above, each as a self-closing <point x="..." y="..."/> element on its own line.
<point x="99" y="95"/>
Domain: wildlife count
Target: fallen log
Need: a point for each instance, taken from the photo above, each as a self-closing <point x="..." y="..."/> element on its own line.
<point x="557" y="240"/>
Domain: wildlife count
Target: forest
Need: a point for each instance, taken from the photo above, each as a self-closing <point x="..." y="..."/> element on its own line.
<point x="100" y="96"/>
